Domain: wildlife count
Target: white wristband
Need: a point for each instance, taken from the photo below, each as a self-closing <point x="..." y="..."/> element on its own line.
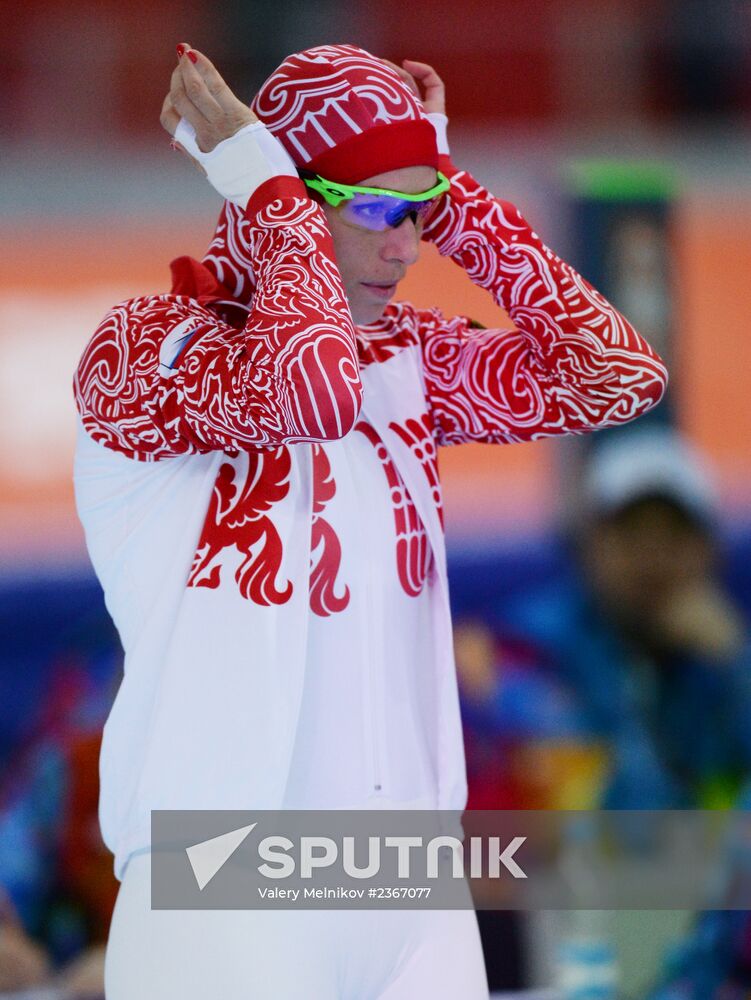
<point x="440" y="123"/>
<point x="238" y="166"/>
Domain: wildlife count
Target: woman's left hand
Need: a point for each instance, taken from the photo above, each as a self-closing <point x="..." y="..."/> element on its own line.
<point x="200" y="96"/>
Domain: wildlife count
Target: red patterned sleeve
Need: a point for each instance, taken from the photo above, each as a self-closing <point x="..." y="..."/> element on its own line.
<point x="573" y="364"/>
<point x="163" y="376"/>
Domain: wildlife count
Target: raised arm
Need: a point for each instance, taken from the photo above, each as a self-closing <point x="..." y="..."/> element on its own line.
<point x="163" y="375"/>
<point x="573" y="364"/>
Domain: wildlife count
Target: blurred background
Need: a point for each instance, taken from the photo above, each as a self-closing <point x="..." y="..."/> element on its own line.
<point x="621" y="130"/>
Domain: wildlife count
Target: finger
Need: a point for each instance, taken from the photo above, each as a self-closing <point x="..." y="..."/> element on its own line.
<point x="435" y="91"/>
<point x="405" y="76"/>
<point x="176" y="87"/>
<point x="201" y="127"/>
<point x="213" y="81"/>
<point x="420" y="69"/>
<point x="168" y="116"/>
<point x="176" y="78"/>
<point x="187" y="109"/>
<point x="195" y="88"/>
<point x="424" y="73"/>
<point x="177" y="96"/>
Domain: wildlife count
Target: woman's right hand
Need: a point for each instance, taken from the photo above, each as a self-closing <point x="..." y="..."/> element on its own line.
<point x="200" y="96"/>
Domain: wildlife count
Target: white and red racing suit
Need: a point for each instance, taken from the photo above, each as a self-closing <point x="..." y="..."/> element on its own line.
<point x="258" y="483"/>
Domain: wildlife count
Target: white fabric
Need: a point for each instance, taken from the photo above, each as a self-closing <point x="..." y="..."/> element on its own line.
<point x="440" y="124"/>
<point x="238" y="166"/>
<point x="214" y="695"/>
<point x="287" y="954"/>
<point x="369" y="678"/>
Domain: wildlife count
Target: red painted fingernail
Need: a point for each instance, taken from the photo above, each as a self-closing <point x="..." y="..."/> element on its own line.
<point x="180" y="51"/>
<point x="192" y="56"/>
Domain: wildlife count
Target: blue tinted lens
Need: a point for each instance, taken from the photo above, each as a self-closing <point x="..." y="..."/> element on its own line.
<point x="367" y="210"/>
<point x="379" y="212"/>
<point x="396" y="215"/>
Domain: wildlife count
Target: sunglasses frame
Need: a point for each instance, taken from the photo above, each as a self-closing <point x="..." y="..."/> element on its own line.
<point x="335" y="193"/>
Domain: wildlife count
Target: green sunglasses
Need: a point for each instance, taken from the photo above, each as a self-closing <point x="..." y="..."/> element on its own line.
<point x="378" y="208"/>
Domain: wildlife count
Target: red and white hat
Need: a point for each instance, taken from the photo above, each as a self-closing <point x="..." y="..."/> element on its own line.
<point x="344" y="114"/>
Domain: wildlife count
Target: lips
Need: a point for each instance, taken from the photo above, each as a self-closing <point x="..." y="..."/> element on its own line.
<point x="382" y="291"/>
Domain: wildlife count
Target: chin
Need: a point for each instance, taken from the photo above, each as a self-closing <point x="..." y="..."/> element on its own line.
<point x="364" y="317"/>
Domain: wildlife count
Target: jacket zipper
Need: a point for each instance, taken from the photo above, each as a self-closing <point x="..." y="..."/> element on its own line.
<point x="376" y="781"/>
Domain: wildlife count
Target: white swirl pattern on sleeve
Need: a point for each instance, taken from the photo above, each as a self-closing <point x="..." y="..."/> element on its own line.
<point x="572" y="365"/>
<point x="163" y="376"/>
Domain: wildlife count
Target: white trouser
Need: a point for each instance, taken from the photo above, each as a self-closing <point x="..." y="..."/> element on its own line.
<point x="287" y="954"/>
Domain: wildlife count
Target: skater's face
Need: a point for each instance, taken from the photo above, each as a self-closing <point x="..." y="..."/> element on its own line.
<point x="373" y="263"/>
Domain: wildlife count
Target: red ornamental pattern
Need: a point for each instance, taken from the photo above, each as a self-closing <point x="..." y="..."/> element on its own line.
<point x="320" y="98"/>
<point x="290" y="375"/>
<point x="325" y="547"/>
<point x="573" y="363"/>
<point x="417" y="434"/>
<point x="413" y="552"/>
<point x="171" y="375"/>
<point x="238" y="518"/>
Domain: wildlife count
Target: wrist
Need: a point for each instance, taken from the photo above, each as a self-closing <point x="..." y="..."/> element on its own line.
<point x="440" y="124"/>
<point x="239" y="165"/>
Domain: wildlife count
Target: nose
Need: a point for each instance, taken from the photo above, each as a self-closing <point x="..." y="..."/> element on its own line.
<point x="402" y="244"/>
